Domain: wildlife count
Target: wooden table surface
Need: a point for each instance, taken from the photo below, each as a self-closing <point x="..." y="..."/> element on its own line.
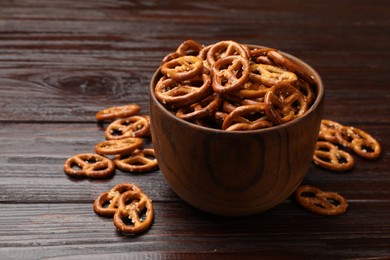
<point x="62" y="61"/>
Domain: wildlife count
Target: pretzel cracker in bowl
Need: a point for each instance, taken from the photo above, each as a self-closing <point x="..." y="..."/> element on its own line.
<point x="238" y="136"/>
<point x="226" y="71"/>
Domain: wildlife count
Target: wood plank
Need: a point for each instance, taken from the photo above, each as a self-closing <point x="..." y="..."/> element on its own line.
<point x="113" y="63"/>
<point x="32" y="167"/>
<point x="45" y="230"/>
<point x="40" y="96"/>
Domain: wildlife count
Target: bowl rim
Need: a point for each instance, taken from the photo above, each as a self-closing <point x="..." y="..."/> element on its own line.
<point x="319" y="98"/>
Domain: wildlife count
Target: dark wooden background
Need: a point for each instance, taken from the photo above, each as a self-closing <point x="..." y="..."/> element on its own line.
<point x="61" y="61"/>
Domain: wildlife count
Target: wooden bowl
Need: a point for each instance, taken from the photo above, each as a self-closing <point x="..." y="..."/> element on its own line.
<point x="234" y="173"/>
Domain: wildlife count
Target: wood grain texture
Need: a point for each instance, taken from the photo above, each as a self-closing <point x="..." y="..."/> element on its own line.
<point x="63" y="229"/>
<point x="62" y="61"/>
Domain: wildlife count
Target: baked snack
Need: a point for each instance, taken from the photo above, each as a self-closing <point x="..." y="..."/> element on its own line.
<point x="329" y="156"/>
<point x="132" y="210"/>
<point x="120" y="146"/>
<point x="89" y="165"/>
<point x="320" y="202"/>
<point x="118" y="112"/>
<point x="134" y="126"/>
<point x="198" y="81"/>
<point x="336" y="141"/>
<point x="138" y="208"/>
<point x="141" y="160"/>
<point x="359" y="141"/>
<point x="107" y="203"/>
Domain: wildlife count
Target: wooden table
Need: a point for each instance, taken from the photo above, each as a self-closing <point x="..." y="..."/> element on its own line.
<point x="62" y="61"/>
